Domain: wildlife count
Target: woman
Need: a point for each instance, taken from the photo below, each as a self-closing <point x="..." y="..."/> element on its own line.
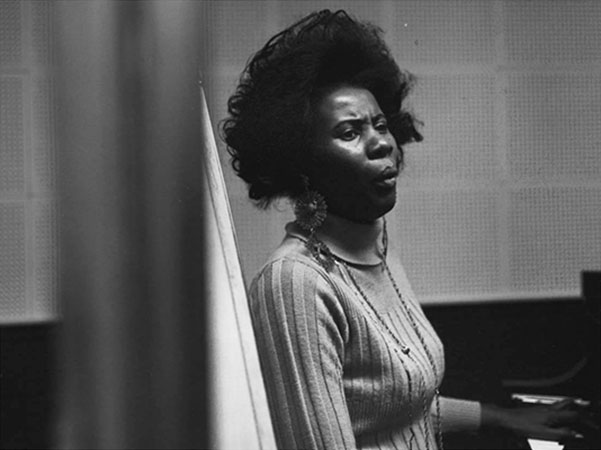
<point x="348" y="357"/>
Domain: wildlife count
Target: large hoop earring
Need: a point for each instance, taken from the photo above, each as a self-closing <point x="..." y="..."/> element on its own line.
<point x="311" y="210"/>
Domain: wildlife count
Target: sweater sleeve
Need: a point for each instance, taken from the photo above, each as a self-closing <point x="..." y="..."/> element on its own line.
<point x="459" y="415"/>
<point x="300" y="329"/>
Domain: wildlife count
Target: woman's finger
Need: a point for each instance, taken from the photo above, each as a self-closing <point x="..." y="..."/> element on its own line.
<point x="563" y="404"/>
<point x="561" y="434"/>
<point x="565" y="417"/>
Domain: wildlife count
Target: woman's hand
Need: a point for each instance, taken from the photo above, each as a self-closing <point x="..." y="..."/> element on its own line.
<point x="554" y="422"/>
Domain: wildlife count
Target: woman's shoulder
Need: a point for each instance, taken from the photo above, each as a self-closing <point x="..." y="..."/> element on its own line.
<point x="284" y="268"/>
<point x="291" y="256"/>
<point x="292" y="269"/>
<point x="294" y="286"/>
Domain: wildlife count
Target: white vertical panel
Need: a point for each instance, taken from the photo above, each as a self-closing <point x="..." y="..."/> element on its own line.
<point x="232" y="411"/>
<point x="239" y="395"/>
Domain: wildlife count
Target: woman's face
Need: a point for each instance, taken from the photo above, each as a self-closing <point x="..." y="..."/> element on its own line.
<point x="356" y="158"/>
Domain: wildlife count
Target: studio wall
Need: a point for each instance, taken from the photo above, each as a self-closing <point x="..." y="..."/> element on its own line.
<point x="502" y="200"/>
<point x="28" y="206"/>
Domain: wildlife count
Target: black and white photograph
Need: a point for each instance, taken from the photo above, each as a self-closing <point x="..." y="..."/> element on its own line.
<point x="300" y="224"/>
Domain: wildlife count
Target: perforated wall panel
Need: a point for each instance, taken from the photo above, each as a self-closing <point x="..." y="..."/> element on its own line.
<point x="443" y="32"/>
<point x="501" y="198"/>
<point x="12" y="135"/>
<point x="43" y="132"/>
<point x="41" y="32"/>
<point x="289" y="12"/>
<point x="10" y="32"/>
<point x="554" y="126"/>
<point x="449" y="241"/>
<point x="28" y="245"/>
<point x="554" y="235"/>
<point x="258" y="232"/>
<point x="222" y="87"/>
<point x="13" y="267"/>
<point x="239" y="37"/>
<point x="45" y="250"/>
<point x="459" y="128"/>
<point x="552" y="32"/>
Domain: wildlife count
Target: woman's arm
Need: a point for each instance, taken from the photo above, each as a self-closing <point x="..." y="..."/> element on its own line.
<point x="458" y="414"/>
<point x="300" y="330"/>
<point x="552" y="422"/>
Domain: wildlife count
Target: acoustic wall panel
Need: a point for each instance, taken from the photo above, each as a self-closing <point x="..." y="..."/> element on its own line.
<point x="509" y="95"/>
<point x="11" y="52"/>
<point x="43" y="144"/>
<point x="45" y="263"/>
<point x="290" y="12"/>
<point x="436" y="32"/>
<point x="459" y="128"/>
<point x="554" y="126"/>
<point x="236" y="31"/>
<point x="13" y="265"/>
<point x="41" y="32"/>
<point x="554" y="235"/>
<point x="552" y="32"/>
<point x="258" y="232"/>
<point x="28" y="254"/>
<point x="448" y="241"/>
<point x="12" y="135"/>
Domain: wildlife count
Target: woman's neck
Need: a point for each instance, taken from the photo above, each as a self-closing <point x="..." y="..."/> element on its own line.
<point x="355" y="242"/>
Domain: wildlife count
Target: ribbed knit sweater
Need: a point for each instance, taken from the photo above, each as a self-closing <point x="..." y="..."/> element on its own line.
<point x="344" y="366"/>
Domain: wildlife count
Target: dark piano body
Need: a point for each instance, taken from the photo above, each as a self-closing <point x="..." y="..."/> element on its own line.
<point x="536" y="347"/>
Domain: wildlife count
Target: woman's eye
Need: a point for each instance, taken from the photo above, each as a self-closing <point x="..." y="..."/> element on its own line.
<point x="349" y="135"/>
<point x="382" y="127"/>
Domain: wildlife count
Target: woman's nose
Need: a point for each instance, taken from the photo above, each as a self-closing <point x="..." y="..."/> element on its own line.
<point x="379" y="145"/>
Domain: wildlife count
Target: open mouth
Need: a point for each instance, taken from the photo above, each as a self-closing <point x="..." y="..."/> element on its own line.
<point x="386" y="183"/>
<point x="387" y="178"/>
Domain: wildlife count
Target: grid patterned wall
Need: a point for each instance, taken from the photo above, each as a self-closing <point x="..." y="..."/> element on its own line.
<point x="503" y="198"/>
<point x="28" y="234"/>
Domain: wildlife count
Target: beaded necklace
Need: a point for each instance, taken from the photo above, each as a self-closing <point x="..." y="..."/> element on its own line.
<point x="404" y="349"/>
